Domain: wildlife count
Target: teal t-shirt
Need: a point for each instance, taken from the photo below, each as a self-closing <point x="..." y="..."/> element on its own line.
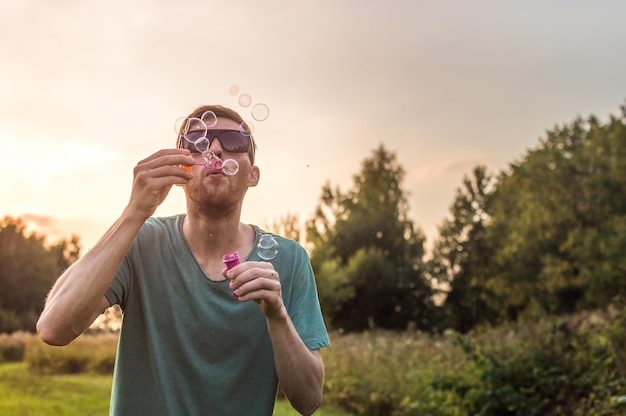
<point x="187" y="346"/>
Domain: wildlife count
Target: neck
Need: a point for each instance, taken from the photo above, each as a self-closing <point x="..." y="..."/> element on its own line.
<point x="210" y="234"/>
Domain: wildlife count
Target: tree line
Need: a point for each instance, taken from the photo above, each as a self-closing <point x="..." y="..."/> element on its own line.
<point x="28" y="268"/>
<point x="545" y="236"/>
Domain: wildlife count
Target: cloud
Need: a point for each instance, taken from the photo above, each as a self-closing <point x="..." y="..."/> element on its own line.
<point x="455" y="167"/>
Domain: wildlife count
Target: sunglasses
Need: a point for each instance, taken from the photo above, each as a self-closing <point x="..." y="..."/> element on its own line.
<point x="199" y="141"/>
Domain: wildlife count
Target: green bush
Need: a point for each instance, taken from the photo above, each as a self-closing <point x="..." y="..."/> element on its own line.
<point x="559" y="368"/>
<point x="387" y="373"/>
<point x="87" y="353"/>
<point x="569" y="366"/>
<point x="12" y="346"/>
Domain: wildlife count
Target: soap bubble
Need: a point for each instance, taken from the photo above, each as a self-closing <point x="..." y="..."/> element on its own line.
<point x="194" y="130"/>
<point x="260" y="112"/>
<point x="179" y="124"/>
<point x="246" y="128"/>
<point x="267" y="248"/>
<point x="202" y="144"/>
<point x="233" y="90"/>
<point x="212" y="160"/>
<point x="209" y="118"/>
<point x="245" y="100"/>
<point x="230" y="167"/>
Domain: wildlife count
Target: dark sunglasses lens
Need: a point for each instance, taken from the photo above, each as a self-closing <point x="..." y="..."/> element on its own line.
<point x="234" y="141"/>
<point x="194" y="135"/>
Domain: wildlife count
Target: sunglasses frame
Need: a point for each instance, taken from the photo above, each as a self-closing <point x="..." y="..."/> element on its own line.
<point x="207" y="120"/>
<point x="212" y="134"/>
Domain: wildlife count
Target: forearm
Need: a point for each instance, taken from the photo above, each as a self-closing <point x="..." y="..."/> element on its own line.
<point x="73" y="302"/>
<point x="300" y="371"/>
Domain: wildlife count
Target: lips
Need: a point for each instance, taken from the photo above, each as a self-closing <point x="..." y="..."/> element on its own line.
<point x="213" y="172"/>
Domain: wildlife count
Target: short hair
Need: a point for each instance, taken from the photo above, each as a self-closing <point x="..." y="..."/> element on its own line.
<point x="225" y="112"/>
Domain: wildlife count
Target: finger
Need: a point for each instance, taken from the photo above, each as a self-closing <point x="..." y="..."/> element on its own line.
<point x="158" y="178"/>
<point x="165" y="171"/>
<point x="154" y="162"/>
<point x="165" y="152"/>
<point x="247" y="271"/>
<point x="258" y="288"/>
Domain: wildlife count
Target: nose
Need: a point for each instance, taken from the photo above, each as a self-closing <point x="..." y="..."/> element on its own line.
<point x="216" y="146"/>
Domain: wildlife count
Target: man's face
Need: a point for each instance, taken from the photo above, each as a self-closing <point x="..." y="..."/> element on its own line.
<point x="211" y="187"/>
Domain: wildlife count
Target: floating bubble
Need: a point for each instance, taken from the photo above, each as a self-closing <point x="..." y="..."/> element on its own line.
<point x="267" y="248"/>
<point x="230" y="167"/>
<point x="202" y="144"/>
<point x="179" y="124"/>
<point x="211" y="158"/>
<point x="233" y="90"/>
<point x="245" y="100"/>
<point x="246" y="128"/>
<point x="194" y="130"/>
<point x="216" y="164"/>
<point x="209" y="118"/>
<point x="260" y="112"/>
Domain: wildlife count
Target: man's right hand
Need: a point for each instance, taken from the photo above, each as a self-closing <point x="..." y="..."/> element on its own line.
<point x="154" y="177"/>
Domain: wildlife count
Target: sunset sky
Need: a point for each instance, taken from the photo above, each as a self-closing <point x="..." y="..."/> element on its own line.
<point x="89" y="88"/>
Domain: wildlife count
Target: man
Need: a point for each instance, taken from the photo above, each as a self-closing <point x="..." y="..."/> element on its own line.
<point x="197" y="338"/>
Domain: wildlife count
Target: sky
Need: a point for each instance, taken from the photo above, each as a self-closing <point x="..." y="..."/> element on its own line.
<point x="90" y="88"/>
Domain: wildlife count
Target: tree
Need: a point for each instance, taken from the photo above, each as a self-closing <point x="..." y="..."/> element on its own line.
<point x="459" y="262"/>
<point x="557" y="227"/>
<point x="367" y="234"/>
<point x="28" y="268"/>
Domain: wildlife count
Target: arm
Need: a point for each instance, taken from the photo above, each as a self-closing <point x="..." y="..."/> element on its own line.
<point x="77" y="297"/>
<point x="300" y="370"/>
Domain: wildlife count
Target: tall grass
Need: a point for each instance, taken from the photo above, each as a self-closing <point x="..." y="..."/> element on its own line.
<point x="86" y="354"/>
<point x="384" y="373"/>
<point x="559" y="366"/>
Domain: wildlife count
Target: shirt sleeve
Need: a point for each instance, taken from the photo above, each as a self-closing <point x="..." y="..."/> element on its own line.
<point x="304" y="308"/>
<point x="117" y="292"/>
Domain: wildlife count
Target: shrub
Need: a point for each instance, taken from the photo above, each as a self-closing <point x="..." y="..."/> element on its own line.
<point x="556" y="368"/>
<point x="12" y="346"/>
<point x="560" y="366"/>
<point x="388" y="373"/>
<point x="87" y="353"/>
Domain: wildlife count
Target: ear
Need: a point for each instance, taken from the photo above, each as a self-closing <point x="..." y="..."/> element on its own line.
<point x="254" y="176"/>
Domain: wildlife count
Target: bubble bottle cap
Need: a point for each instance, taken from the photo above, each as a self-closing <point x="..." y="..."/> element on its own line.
<point x="231" y="259"/>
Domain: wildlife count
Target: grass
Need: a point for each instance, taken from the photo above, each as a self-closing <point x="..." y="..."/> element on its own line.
<point x="24" y="393"/>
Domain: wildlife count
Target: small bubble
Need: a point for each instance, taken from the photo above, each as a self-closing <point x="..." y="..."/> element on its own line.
<point x="194" y="130"/>
<point x="179" y="124"/>
<point x="209" y="118"/>
<point x="230" y="167"/>
<point x="233" y="90"/>
<point x="245" y="100"/>
<point x="267" y="248"/>
<point x="246" y="128"/>
<point x="202" y="144"/>
<point x="260" y="112"/>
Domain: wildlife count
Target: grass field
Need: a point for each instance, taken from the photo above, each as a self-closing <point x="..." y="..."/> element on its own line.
<point x="25" y="394"/>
